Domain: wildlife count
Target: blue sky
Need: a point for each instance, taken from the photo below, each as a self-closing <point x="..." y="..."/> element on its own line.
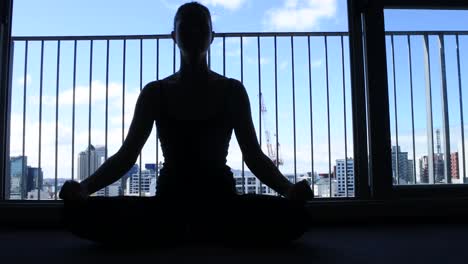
<point x="49" y="17"/>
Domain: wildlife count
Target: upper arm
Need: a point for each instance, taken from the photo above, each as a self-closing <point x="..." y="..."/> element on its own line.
<point x="141" y="125"/>
<point x="243" y="124"/>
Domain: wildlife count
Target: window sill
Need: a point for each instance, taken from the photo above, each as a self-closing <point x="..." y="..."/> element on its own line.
<point x="47" y="214"/>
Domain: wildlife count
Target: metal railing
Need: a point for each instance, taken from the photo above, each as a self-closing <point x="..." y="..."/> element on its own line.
<point x="319" y="91"/>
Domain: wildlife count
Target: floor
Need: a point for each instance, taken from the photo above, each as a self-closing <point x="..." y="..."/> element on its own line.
<point x="357" y="244"/>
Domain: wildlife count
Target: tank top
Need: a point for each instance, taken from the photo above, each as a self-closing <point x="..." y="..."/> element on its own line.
<point x="194" y="153"/>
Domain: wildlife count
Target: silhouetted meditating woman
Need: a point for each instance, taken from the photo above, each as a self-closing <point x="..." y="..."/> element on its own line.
<point x="195" y="111"/>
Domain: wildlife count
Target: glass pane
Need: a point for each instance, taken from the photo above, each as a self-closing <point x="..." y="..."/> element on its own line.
<point x="426" y="60"/>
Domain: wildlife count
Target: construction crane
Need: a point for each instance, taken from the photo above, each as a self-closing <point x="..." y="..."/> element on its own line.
<point x="275" y="157"/>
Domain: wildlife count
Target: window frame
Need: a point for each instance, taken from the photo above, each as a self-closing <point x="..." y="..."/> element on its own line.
<point x="366" y="18"/>
<point x="6" y="11"/>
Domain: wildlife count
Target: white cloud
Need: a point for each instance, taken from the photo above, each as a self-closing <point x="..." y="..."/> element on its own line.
<point x="82" y="94"/>
<point x="130" y="101"/>
<point x="299" y="15"/>
<point x="20" y="80"/>
<point x="228" y="4"/>
<point x="316" y="63"/>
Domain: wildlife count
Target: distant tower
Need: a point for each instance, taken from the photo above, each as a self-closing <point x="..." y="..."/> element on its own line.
<point x="438" y="141"/>
<point x="439" y="160"/>
<point x="90" y="160"/>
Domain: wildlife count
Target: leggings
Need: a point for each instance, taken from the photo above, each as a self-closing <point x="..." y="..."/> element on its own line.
<point x="241" y="220"/>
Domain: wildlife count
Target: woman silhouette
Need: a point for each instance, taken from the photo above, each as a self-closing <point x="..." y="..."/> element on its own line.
<point x="195" y="111"/>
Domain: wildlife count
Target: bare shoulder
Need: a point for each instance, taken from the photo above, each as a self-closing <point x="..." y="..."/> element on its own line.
<point x="152" y="87"/>
<point x="229" y="84"/>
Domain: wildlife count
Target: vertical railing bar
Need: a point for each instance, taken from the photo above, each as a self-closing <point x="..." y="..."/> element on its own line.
<point x="209" y="58"/>
<point x="397" y="160"/>
<point x="25" y="81"/>
<point x="173" y="57"/>
<point x="107" y="100"/>
<point x="344" y="118"/>
<point x="224" y="56"/>
<point x="294" y="106"/>
<point x="123" y="87"/>
<point x="445" y="114"/>
<point x="310" y="111"/>
<point x="124" y="55"/>
<point x="56" y="115"/>
<point x="276" y="104"/>
<point x="259" y="99"/>
<point x="73" y="110"/>
<point x="40" y="122"/>
<point x="328" y="116"/>
<point x="89" y="106"/>
<point x="141" y="86"/>
<point x="412" y="105"/>
<point x="157" y="139"/>
<point x="107" y="105"/>
<point x="461" y="109"/>
<point x="242" y="81"/>
<point x="429" y="109"/>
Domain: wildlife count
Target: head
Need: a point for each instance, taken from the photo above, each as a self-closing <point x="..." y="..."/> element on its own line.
<point x="193" y="30"/>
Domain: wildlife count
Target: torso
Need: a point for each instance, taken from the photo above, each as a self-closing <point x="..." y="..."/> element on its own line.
<point x="195" y="103"/>
<point x="194" y="130"/>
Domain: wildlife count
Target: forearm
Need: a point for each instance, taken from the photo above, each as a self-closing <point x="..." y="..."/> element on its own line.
<point x="109" y="172"/>
<point x="267" y="172"/>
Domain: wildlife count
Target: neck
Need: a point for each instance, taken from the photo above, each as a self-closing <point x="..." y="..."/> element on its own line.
<point x="193" y="69"/>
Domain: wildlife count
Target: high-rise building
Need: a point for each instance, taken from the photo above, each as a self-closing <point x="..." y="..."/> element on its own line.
<point x="148" y="184"/>
<point x="439" y="167"/>
<point x="325" y="187"/>
<point x="89" y="161"/>
<point x="123" y="180"/>
<point x="455" y="173"/>
<point x="462" y="160"/>
<point x="345" y="177"/>
<point x="34" y="179"/>
<point x="411" y="171"/>
<point x="400" y="158"/>
<point x="100" y="155"/>
<point x="249" y="183"/>
<point x="18" y="177"/>
<point x="424" y="170"/>
<point x="114" y="189"/>
<point x="438" y="171"/>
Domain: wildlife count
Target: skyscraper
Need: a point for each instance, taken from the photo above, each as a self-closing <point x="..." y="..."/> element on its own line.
<point x="411" y="171"/>
<point x="89" y="161"/>
<point x="438" y="169"/>
<point x="424" y="170"/>
<point x="18" y="175"/>
<point x="34" y="179"/>
<point x="454" y="166"/>
<point x="401" y="171"/>
<point x="345" y="177"/>
<point x="148" y="183"/>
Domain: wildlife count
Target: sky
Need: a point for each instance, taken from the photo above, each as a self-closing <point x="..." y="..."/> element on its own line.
<point x="139" y="17"/>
